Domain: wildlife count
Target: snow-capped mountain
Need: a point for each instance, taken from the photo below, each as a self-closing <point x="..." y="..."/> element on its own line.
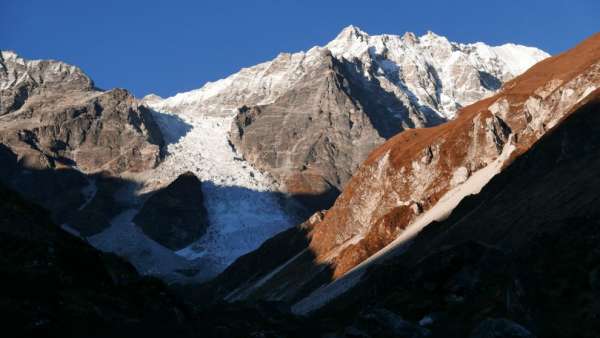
<point x="310" y="118"/>
<point x="299" y="126"/>
<point x="431" y="72"/>
<point x="415" y="180"/>
<point x="426" y="71"/>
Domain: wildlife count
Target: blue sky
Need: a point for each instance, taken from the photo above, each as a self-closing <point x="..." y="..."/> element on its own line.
<point x="171" y="46"/>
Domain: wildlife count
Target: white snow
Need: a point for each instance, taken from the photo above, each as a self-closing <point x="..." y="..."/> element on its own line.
<point x="431" y="66"/>
<point x="242" y="203"/>
<point x="66" y="227"/>
<point x="403" y="66"/>
<point x="518" y="58"/>
<point x="241" y="293"/>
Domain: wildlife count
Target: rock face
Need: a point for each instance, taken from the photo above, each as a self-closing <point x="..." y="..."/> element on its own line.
<point x="310" y="118"/>
<point x="52" y="113"/>
<point x="56" y="129"/>
<point x="420" y="175"/>
<point x="175" y="216"/>
<point x="311" y="138"/>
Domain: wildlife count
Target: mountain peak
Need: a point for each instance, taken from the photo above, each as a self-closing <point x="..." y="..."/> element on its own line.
<point x="432" y="36"/>
<point x="410" y="37"/>
<point x="352" y="32"/>
<point x="9" y="54"/>
<point x="151" y="98"/>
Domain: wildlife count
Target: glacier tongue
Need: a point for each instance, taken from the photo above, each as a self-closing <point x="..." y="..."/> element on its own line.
<point x="244" y="207"/>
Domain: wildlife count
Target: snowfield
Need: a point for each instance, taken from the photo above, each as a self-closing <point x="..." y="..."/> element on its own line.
<point x="244" y="206"/>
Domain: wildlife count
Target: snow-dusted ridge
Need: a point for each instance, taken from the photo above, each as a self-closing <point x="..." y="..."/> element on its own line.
<point x="429" y="70"/>
<point x="433" y="71"/>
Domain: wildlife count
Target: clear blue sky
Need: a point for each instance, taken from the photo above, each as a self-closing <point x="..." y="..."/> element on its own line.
<point x="171" y="46"/>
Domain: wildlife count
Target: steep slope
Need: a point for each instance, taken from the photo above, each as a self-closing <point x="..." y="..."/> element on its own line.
<point x="312" y="137"/>
<point x="310" y="118"/>
<point x="94" y="157"/>
<point x="420" y="175"/>
<point x="105" y="153"/>
<point x="524" y="249"/>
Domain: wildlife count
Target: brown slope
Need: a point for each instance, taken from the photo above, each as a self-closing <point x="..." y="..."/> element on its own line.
<point x="418" y="167"/>
<point x="409" y="174"/>
<point x="525" y="248"/>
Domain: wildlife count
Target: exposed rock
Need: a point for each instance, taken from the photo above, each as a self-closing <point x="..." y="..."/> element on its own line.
<point x="524" y="249"/>
<point x="61" y="119"/>
<point x="57" y="129"/>
<point x="313" y="137"/>
<point x="175" y="215"/>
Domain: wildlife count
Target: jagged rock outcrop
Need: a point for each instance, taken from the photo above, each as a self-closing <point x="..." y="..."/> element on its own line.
<point x="52" y="113"/>
<point x="311" y="138"/>
<point x="56" y="129"/>
<point x="420" y="175"/>
<point x="175" y="216"/>
<point x="310" y="118"/>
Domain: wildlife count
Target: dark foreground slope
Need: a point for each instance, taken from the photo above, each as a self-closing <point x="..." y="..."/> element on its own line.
<point x="525" y="250"/>
<point x="53" y="284"/>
